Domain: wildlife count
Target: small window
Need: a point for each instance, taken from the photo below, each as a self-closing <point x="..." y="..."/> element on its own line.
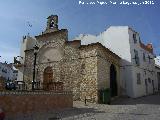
<point x="134" y="38"/>
<point x="144" y="57"/>
<point x="138" y="78"/>
<point x="139" y="38"/>
<point x="83" y="69"/>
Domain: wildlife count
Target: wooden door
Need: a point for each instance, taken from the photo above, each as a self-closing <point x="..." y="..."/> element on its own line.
<point x="47" y="78"/>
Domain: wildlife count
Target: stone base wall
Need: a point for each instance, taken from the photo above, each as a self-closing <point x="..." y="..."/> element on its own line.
<point x="19" y="103"/>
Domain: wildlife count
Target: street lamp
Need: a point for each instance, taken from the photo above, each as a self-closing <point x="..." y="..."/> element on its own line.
<point x="36" y="48"/>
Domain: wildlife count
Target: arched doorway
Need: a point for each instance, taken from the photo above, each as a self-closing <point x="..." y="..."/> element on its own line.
<point x="113" y="80"/>
<point x="47" y="78"/>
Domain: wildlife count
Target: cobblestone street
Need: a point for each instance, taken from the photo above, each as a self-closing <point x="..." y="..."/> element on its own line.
<point x="144" y="108"/>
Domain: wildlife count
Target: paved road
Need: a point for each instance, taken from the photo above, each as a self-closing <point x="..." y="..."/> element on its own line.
<point x="144" y="108"/>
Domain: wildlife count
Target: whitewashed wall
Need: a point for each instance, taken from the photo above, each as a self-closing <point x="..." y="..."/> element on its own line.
<point x="26" y="44"/>
<point x="157" y="67"/>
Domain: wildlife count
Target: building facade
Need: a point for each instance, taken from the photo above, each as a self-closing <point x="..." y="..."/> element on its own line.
<point x="137" y="60"/>
<point x="7" y="72"/>
<point x="157" y="68"/>
<point x="67" y="65"/>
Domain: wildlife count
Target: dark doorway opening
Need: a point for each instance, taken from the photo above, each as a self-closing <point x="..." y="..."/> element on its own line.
<point x="113" y="81"/>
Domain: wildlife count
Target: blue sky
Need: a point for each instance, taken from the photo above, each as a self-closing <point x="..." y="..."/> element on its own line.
<point x="77" y="18"/>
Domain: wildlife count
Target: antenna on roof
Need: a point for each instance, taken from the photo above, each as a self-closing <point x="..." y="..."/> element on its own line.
<point x="29" y="26"/>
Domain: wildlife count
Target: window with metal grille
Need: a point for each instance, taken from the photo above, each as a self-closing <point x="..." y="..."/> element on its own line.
<point x="136" y="57"/>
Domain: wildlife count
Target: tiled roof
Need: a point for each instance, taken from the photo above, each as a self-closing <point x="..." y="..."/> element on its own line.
<point x="147" y="47"/>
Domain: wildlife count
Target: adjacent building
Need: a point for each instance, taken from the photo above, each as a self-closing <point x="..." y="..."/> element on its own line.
<point x="26" y="44"/>
<point x="138" y="76"/>
<point x="7" y="72"/>
<point x="157" y="68"/>
<point x="62" y="65"/>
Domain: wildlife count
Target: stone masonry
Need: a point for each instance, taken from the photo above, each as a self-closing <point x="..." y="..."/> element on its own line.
<point x="96" y="62"/>
<point x="83" y="69"/>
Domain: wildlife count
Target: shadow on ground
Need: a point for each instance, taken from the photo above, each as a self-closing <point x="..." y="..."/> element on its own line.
<point x="150" y="99"/>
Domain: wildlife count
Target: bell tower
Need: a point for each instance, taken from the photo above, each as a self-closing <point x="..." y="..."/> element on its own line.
<point x="52" y="30"/>
<point x="52" y="24"/>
